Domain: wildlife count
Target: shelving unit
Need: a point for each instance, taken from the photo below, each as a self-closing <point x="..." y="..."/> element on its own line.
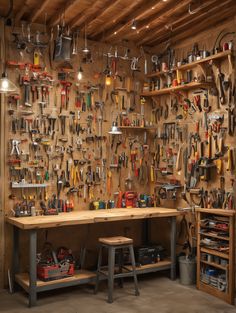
<point x="217" y="56"/>
<point x="184" y="87"/>
<point x="185" y="67"/>
<point x="188" y="66"/>
<point x="215" y="268"/>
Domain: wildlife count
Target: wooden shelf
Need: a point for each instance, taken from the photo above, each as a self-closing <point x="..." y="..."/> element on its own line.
<point x="28" y="185"/>
<point x="215" y="236"/>
<point x="137" y="127"/>
<point x="219" y="55"/>
<point x="217" y="211"/>
<point x="152" y="267"/>
<point x="160" y="73"/>
<point x="215" y="292"/>
<point x="187" y="66"/>
<point x="215" y="265"/>
<point x="80" y="277"/>
<point x="173" y="89"/>
<point x="144" y="269"/>
<point x="83" y="276"/>
<point x="215" y="252"/>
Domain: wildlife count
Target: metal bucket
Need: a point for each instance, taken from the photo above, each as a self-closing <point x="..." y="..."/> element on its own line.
<point x="187" y="269"/>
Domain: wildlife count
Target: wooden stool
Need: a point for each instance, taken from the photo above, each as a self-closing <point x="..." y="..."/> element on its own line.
<point x="112" y="244"/>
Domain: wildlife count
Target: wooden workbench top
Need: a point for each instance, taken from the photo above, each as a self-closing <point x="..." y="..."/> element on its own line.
<point x="89" y="217"/>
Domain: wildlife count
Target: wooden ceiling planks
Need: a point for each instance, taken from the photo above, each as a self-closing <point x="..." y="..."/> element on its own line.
<point x="24" y="8"/>
<point x="91" y="13"/>
<point x="221" y="16"/>
<point x="129" y="16"/>
<point x="194" y="22"/>
<point x="173" y="22"/>
<point x="161" y="17"/>
<point x="39" y="10"/>
<point x="110" y="21"/>
<point x="55" y="19"/>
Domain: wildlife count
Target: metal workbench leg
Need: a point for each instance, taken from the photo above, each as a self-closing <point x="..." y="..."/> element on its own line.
<point x="32" y="272"/>
<point x="111" y="269"/>
<point x="173" y="248"/>
<point x="145" y="231"/>
<point x="15" y="256"/>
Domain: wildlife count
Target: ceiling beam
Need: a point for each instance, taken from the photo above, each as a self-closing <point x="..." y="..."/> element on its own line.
<point x="93" y="30"/>
<point x="55" y="19"/>
<point x="221" y="16"/>
<point x="181" y="23"/>
<point x="38" y="10"/>
<point x="91" y="13"/>
<point x="22" y="11"/>
<point x="156" y="18"/>
<point x="191" y="22"/>
<point x="134" y="14"/>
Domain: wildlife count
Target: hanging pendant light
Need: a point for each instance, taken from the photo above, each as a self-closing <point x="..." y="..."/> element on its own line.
<point x="108" y="80"/>
<point x="115" y="129"/>
<point x="134" y="24"/>
<point x="85" y="49"/>
<point x="80" y="73"/>
<point x="6" y="85"/>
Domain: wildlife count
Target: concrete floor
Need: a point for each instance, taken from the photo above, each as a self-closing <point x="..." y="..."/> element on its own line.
<point x="158" y="294"/>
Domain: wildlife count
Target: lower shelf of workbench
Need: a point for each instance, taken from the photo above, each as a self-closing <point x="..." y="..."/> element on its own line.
<point x="83" y="277"/>
<point x="216" y="293"/>
<point x="80" y="277"/>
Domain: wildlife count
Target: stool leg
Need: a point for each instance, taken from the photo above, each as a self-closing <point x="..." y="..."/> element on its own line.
<point x="121" y="263"/>
<point x="111" y="268"/>
<point x="98" y="269"/>
<point x="131" y="251"/>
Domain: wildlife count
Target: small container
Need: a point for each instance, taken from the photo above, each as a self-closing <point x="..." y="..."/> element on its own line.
<point x="179" y="64"/>
<point x="190" y="58"/>
<point x="209" y="258"/>
<point x="231" y="45"/>
<point x="223" y="262"/>
<point x="164" y="67"/>
<point x="216" y="259"/>
<point x="225" y="46"/>
<point x="189" y="76"/>
<point x="205" y="54"/>
<point x="33" y="211"/>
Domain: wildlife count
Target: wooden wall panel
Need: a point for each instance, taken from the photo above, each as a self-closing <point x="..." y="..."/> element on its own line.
<point x="92" y="75"/>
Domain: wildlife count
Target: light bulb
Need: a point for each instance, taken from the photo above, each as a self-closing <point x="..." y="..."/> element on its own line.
<point x="5" y="84"/>
<point x="79" y="76"/>
<point x="108" y="80"/>
<point x="80" y="73"/>
<point x="134" y="24"/>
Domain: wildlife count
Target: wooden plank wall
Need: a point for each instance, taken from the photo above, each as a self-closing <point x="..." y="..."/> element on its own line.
<point x="205" y="40"/>
<point x="2" y="170"/>
<point x="92" y="75"/>
<point x="88" y="234"/>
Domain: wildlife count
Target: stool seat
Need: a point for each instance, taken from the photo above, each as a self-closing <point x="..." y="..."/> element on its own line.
<point x="116" y="241"/>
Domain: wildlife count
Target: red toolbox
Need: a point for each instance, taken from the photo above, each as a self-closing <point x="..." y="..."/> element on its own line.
<point x="47" y="272"/>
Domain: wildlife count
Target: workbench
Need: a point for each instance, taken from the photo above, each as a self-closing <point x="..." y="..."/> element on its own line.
<point x="29" y="281"/>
